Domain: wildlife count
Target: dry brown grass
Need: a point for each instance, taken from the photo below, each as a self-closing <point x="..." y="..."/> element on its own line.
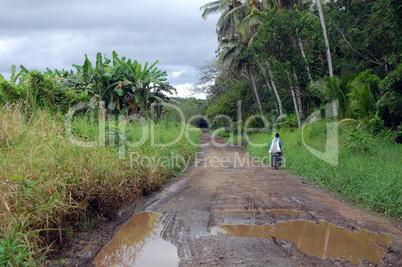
<point x="46" y="179"/>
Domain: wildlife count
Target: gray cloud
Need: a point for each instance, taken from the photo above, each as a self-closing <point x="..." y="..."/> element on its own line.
<point x="57" y="34"/>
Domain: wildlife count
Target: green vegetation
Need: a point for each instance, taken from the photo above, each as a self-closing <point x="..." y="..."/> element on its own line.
<point x="286" y="60"/>
<point x="49" y="185"/>
<point x="368" y="172"/>
<point x="191" y="109"/>
<point x="279" y="54"/>
<point x="119" y="86"/>
<point x="227" y="105"/>
<point x="272" y="55"/>
<point x="76" y="146"/>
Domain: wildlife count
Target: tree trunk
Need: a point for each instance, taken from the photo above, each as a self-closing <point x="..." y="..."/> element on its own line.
<point x="255" y="90"/>
<point x="153" y="112"/>
<point x="294" y="101"/>
<point x="274" y="88"/>
<point x="298" y="95"/>
<point x="304" y="57"/>
<point x="296" y="108"/>
<point x="324" y="32"/>
<point x="303" y="54"/>
<point x="267" y="82"/>
<point x="386" y="63"/>
<point x="335" y="108"/>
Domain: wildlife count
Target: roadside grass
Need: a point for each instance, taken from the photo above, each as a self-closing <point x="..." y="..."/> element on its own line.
<point x="368" y="172"/>
<point x="50" y="186"/>
<point x="232" y="139"/>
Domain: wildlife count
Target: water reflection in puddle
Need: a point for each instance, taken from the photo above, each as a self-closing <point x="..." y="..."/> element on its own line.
<point x="274" y="211"/>
<point x="324" y="241"/>
<point x="138" y="244"/>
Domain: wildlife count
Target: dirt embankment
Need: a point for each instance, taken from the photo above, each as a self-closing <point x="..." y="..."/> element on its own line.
<point x="217" y="215"/>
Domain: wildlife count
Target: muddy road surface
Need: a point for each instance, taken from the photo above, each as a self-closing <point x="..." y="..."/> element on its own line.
<point x="229" y="210"/>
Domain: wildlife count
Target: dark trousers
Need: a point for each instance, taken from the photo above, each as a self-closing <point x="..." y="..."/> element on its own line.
<point x="275" y="160"/>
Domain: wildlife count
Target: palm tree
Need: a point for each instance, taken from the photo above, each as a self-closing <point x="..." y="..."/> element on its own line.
<point x="324" y="32"/>
<point x="227" y="27"/>
<point x="219" y="6"/>
<point x="271" y="84"/>
<point x="231" y="55"/>
<point x="335" y="90"/>
<point x="235" y="28"/>
<point x="237" y="18"/>
<point x="363" y="100"/>
<point x="363" y="104"/>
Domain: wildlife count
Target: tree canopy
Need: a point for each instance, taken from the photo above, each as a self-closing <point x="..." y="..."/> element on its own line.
<point x="283" y="51"/>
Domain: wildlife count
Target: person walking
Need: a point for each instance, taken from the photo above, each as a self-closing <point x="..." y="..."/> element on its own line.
<point x="276" y="151"/>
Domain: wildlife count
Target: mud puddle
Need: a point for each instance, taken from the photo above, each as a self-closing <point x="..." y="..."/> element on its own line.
<point x="138" y="244"/>
<point x="274" y="211"/>
<point x="324" y="241"/>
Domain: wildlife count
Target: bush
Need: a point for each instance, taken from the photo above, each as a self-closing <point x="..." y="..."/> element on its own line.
<point x="10" y="92"/>
<point x="41" y="91"/>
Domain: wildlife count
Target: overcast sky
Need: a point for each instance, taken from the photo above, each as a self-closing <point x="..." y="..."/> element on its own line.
<point x="56" y="34"/>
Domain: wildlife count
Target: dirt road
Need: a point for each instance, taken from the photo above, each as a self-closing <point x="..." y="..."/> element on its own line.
<point x="231" y="211"/>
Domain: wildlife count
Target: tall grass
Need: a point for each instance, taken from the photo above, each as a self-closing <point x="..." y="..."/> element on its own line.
<point x="233" y="138"/>
<point x="369" y="169"/>
<point x="55" y="185"/>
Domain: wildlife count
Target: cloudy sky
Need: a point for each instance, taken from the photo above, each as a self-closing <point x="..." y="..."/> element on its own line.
<point x="58" y="33"/>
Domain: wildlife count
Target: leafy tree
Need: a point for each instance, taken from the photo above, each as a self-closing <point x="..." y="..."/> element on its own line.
<point x="324" y="33"/>
<point x="235" y="29"/>
<point x="192" y="108"/>
<point x="367" y="35"/>
<point x="277" y="52"/>
<point x="391" y="86"/>
<point x="227" y="105"/>
<point x="286" y="54"/>
<point x="373" y="80"/>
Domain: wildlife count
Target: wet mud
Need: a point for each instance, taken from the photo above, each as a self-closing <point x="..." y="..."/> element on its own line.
<point x="274" y="211"/>
<point x="323" y="240"/>
<point x="138" y="243"/>
<point x="240" y="213"/>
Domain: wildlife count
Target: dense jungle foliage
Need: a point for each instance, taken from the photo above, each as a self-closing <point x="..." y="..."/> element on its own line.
<point x="281" y="60"/>
<point x="187" y="110"/>
<point x="304" y="65"/>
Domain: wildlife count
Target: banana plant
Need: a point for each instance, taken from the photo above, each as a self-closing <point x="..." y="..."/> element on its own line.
<point x="20" y="76"/>
<point x="57" y="75"/>
<point x="140" y="81"/>
<point x="124" y="84"/>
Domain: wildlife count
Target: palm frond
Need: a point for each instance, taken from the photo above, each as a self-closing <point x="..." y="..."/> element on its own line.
<point x="213" y="8"/>
<point x="348" y="121"/>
